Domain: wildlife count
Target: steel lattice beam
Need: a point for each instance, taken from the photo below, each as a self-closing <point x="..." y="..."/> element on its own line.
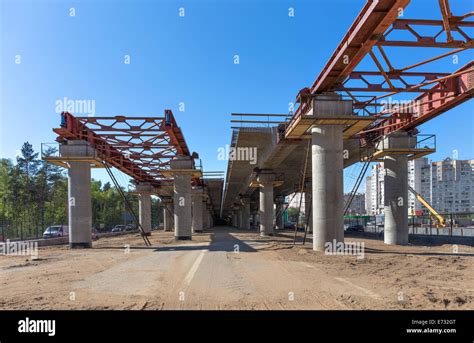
<point x="141" y="147"/>
<point x="369" y="34"/>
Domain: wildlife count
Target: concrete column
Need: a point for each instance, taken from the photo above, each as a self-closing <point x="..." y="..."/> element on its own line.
<point x="197" y="211"/>
<point x="205" y="217"/>
<point x="79" y="192"/>
<point x="182" y="165"/>
<point x="237" y="218"/>
<point x="280" y="220"/>
<point x="327" y="170"/>
<point x="327" y="185"/>
<point x="167" y="213"/>
<point x="80" y="206"/>
<point x="144" y="191"/>
<point x="307" y="208"/>
<point x="265" y="181"/>
<point x="245" y="214"/>
<point x="396" y="189"/>
<point x="210" y="219"/>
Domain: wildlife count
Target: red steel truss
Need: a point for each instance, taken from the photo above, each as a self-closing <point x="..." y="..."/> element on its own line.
<point x="372" y="31"/>
<point x="141" y="147"/>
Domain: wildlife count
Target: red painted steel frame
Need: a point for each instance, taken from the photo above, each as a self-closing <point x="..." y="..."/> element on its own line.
<point x="141" y="147"/>
<point x="372" y="29"/>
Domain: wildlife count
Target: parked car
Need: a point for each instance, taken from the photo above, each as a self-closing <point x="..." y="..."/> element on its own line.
<point x="130" y="227"/>
<point x="118" y="228"/>
<point x="355" y="228"/>
<point x="56" y="231"/>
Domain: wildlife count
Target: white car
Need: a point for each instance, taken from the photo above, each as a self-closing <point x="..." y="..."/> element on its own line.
<point x="56" y="231"/>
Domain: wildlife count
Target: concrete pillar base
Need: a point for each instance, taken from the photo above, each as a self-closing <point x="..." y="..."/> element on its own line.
<point x="262" y="234"/>
<point x="182" y="238"/>
<point x="80" y="245"/>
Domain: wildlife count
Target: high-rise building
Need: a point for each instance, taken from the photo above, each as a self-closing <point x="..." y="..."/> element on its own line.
<point x="357" y="206"/>
<point x="452" y="186"/>
<point x="447" y="185"/>
<point x="374" y="190"/>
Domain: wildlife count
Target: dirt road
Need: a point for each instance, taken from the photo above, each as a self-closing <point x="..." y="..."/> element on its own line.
<point x="230" y="269"/>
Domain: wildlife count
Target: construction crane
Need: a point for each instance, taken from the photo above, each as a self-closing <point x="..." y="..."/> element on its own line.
<point x="434" y="213"/>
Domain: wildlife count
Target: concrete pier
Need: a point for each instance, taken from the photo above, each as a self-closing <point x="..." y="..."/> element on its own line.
<point x="197" y="211"/>
<point x="183" y="167"/>
<point x="265" y="181"/>
<point x="327" y="171"/>
<point x="307" y="207"/>
<point x="144" y="191"/>
<point x="210" y="218"/>
<point x="167" y="213"/>
<point x="280" y="219"/>
<point x="205" y="217"/>
<point x="245" y="221"/>
<point x="80" y="206"/>
<point x="79" y="192"/>
<point x="396" y="189"/>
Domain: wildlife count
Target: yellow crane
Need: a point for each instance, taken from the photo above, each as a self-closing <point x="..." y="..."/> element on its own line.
<point x="434" y="213"/>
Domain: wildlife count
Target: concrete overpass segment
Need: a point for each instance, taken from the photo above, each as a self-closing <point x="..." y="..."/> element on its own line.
<point x="348" y="116"/>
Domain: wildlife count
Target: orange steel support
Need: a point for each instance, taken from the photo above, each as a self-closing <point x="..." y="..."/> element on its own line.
<point x="141" y="147"/>
<point x="368" y="35"/>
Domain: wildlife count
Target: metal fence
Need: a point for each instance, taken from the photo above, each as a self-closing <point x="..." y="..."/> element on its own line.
<point x="456" y="224"/>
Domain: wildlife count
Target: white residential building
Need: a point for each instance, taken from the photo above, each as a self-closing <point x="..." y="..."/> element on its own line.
<point x="452" y="186"/>
<point x="357" y="206"/>
<point x="447" y="185"/>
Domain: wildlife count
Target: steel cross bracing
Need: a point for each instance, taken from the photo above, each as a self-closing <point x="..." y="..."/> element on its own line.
<point x="379" y="28"/>
<point x="141" y="147"/>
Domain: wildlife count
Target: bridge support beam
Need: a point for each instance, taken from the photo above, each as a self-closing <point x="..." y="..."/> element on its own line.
<point x="396" y="189"/>
<point x="144" y="191"/>
<point x="183" y="169"/>
<point x="79" y="192"/>
<point x="266" y="181"/>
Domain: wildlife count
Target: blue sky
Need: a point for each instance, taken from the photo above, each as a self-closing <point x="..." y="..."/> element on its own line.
<point x="182" y="59"/>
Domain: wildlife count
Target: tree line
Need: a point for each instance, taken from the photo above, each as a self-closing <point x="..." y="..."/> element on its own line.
<point x="33" y="196"/>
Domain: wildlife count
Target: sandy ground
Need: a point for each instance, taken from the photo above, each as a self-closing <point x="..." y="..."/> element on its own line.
<point x="209" y="273"/>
